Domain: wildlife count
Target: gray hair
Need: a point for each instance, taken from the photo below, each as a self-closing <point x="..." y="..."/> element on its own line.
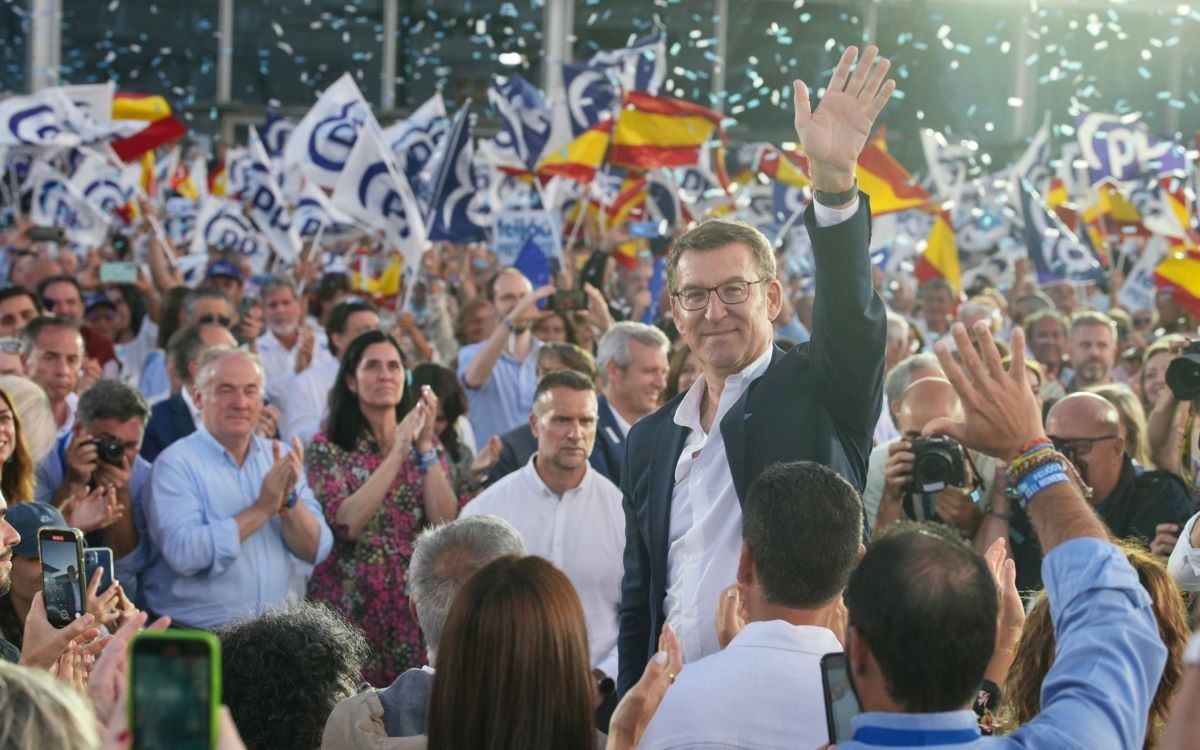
<point x="203" y="292"/>
<point x="207" y="367"/>
<point x="900" y="377"/>
<point x="614" y="345"/>
<point x="445" y="556"/>
<point x="274" y="284"/>
<point x="112" y="399"/>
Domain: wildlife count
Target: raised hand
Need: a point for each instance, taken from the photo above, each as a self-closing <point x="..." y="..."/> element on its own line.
<point x="424" y="437"/>
<point x="99" y="509"/>
<point x="834" y="135"/>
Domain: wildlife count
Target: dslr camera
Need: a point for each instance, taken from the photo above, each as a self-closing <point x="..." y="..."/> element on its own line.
<point x="110" y="450"/>
<point x="940" y="462"/>
<point x="1183" y="374"/>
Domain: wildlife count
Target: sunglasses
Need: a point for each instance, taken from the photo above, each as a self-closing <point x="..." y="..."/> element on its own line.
<point x="220" y="320"/>
<point x="10" y="345"/>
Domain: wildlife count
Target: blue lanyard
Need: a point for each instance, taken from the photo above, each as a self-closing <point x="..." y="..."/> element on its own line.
<point x="888" y="737"/>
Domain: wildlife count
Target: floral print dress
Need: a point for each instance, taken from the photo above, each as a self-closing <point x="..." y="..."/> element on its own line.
<point x="366" y="578"/>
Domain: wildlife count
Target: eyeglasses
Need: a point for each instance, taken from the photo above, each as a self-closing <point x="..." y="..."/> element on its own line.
<point x="221" y="320"/>
<point x="731" y="293"/>
<point x="1077" y="446"/>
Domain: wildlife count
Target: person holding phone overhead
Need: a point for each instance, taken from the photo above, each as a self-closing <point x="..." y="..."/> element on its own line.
<point x="381" y="476"/>
<point x="688" y="465"/>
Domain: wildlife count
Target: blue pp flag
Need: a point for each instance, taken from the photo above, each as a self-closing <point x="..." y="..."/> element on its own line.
<point x="1057" y="253"/>
<point x="533" y="263"/>
<point x="525" y="118"/>
<point x="454" y="187"/>
<point x="591" y="96"/>
<point x="656" y="287"/>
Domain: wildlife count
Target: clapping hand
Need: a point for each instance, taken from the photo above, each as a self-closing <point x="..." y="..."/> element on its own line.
<point x="487" y="458"/>
<point x="835" y="133"/>
<point x="429" y="404"/>
<point x="636" y="709"/>
<point x="282" y="477"/>
<point x="99" y="509"/>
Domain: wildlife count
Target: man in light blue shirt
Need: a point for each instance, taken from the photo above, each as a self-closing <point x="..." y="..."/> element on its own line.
<point x="921" y="608"/>
<point x="229" y="512"/>
<point x="500" y="373"/>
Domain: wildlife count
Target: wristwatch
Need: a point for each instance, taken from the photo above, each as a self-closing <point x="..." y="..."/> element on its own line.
<point x="834" y="200"/>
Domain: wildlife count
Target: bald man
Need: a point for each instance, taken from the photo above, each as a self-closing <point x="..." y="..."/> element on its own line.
<point x="1132" y="501"/>
<point x="923" y="401"/>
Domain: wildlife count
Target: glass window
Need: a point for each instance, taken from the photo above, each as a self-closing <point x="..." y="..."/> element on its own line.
<point x="284" y="52"/>
<point x="166" y="47"/>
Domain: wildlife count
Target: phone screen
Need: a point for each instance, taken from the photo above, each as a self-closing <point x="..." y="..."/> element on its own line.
<point x="95" y="557"/>
<point x="118" y="272"/>
<point x="62" y="576"/>
<point x="173" y="694"/>
<point x="841" y="704"/>
<point x="569" y="300"/>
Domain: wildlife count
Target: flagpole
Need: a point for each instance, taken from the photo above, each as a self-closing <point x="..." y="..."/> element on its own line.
<point x="578" y="223"/>
<point x="549" y="215"/>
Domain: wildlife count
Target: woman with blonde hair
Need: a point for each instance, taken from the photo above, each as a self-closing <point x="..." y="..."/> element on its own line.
<point x="38" y="711"/>
<point x="1035" y="651"/>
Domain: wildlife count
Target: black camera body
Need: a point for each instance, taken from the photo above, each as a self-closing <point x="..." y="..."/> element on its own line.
<point x="940" y="462"/>
<point x="1183" y="374"/>
<point x="110" y="450"/>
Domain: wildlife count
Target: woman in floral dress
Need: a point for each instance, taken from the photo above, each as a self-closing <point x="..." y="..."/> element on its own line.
<point x="381" y="476"/>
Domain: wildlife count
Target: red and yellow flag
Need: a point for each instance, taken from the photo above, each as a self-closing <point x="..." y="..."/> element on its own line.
<point x="657" y="131"/>
<point x="940" y="257"/>
<point x="788" y="167"/>
<point x="1180" y="272"/>
<point x="580" y="159"/>
<point x="891" y="187"/>
<point x="163" y="127"/>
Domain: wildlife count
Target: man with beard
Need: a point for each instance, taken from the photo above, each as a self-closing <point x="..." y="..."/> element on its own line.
<point x="289" y="346"/>
<point x="1087" y="429"/>
<point x="1093" y="349"/>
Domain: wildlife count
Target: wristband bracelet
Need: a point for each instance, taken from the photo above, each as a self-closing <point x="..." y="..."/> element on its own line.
<point x="1043" y="478"/>
<point x="1028" y="447"/>
<point x="426" y="460"/>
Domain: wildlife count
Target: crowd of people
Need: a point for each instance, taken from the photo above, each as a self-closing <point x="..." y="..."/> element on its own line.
<point x="483" y="520"/>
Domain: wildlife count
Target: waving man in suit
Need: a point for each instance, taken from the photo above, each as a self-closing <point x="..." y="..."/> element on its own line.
<point x="688" y="465"/>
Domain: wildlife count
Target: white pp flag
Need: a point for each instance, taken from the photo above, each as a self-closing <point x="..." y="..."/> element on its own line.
<point x="47" y="118"/>
<point x="268" y="209"/>
<point x="221" y="225"/>
<point x="57" y="203"/>
<point x="373" y="190"/>
<point x="315" y="215"/>
<point x="107" y="187"/>
<point x="323" y="139"/>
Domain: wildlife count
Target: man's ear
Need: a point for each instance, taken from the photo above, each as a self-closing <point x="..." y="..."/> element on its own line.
<point x="746" y="575"/>
<point x="533" y="422"/>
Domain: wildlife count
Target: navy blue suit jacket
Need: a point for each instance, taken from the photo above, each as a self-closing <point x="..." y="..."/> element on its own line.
<point x="170" y="420"/>
<point x="818" y="402"/>
<point x="518" y="445"/>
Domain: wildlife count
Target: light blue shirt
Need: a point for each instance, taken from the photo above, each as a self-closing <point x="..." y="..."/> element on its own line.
<point x="506" y="399"/>
<point x="202" y="574"/>
<point x="50" y="474"/>
<point x="1107" y="664"/>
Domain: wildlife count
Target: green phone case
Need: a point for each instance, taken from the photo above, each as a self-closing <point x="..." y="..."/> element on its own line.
<point x="214" y="650"/>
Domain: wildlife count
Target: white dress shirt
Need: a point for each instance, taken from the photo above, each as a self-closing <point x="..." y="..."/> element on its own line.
<point x="762" y="691"/>
<point x="706" y="517"/>
<point x="1184" y="564"/>
<point x="279" y="363"/>
<point x="307" y="400"/>
<point x="582" y="533"/>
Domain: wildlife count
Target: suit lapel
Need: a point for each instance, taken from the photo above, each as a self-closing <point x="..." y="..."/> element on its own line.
<point x="663" y="459"/>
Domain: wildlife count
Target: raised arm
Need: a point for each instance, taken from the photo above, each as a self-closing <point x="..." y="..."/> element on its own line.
<point x="1107" y="639"/>
<point x="849" y="324"/>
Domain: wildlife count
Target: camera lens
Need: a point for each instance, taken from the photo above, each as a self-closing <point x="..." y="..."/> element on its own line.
<point x="1183" y="376"/>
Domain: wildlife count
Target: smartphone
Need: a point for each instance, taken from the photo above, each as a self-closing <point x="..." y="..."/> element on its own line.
<point x="64" y="587"/>
<point x="175" y="690"/>
<point x="46" y="234"/>
<point x="247" y="303"/>
<point x="569" y="300"/>
<point x="646" y="229"/>
<point x="118" y="272"/>
<point x="96" y="557"/>
<point x="841" y="704"/>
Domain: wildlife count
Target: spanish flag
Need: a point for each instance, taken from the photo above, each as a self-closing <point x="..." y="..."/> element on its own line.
<point x="657" y="131"/>
<point x="581" y="158"/>
<point x="940" y="257"/>
<point x="788" y="167"/>
<point x="1180" y="272"/>
<point x="889" y="184"/>
<point x="163" y="127"/>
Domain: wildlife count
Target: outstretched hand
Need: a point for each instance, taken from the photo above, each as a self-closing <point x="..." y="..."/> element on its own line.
<point x="835" y="133"/>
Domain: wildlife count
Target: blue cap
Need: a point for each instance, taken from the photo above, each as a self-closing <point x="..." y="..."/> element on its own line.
<point x="27" y="518"/>
<point x="223" y="268"/>
<point x="96" y="299"/>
